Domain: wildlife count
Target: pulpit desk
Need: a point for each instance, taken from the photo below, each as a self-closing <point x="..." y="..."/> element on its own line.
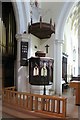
<point x="76" y="85"/>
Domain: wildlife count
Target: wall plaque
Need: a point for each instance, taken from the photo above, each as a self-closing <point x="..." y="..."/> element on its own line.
<point x="24" y="53"/>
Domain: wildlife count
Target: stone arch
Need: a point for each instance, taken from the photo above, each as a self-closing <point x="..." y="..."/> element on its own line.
<point x="19" y="16"/>
<point x="62" y="19"/>
<point x="15" y="8"/>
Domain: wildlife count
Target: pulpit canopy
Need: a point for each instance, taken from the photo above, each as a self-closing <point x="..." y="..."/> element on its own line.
<point x="41" y="29"/>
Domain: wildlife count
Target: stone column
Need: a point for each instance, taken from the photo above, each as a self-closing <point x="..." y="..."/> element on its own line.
<point x="57" y="80"/>
<point x="22" y="71"/>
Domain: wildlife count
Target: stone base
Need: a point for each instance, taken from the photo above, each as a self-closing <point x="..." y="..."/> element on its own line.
<point x="40" y="89"/>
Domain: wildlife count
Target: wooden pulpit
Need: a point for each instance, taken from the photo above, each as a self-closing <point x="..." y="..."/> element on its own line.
<point x="40" y="70"/>
<point x="76" y="85"/>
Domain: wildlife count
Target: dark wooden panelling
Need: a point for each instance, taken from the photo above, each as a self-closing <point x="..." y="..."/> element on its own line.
<point x="9" y="56"/>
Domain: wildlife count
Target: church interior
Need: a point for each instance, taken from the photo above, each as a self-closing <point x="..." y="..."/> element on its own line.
<point x="40" y="59"/>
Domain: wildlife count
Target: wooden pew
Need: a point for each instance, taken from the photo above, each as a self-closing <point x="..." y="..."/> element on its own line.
<point x="76" y="85"/>
<point x="75" y="78"/>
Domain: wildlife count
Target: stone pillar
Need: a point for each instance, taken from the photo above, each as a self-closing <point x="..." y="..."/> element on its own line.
<point x="22" y="71"/>
<point x="57" y="80"/>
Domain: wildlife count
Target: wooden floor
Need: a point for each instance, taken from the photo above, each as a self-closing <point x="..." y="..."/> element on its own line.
<point x="73" y="111"/>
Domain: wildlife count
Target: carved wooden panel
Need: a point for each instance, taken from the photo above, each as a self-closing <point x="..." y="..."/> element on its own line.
<point x="40" y="71"/>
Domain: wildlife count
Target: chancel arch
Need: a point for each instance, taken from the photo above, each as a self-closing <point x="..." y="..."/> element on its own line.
<point x="19" y="16"/>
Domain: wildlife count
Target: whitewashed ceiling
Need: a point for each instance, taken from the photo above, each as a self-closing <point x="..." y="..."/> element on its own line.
<point x="51" y="10"/>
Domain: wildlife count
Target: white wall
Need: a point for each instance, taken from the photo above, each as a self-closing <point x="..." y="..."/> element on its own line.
<point x="49" y="42"/>
<point x="34" y="42"/>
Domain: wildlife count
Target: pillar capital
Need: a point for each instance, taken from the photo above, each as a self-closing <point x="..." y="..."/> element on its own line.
<point x="57" y="41"/>
<point x="22" y="37"/>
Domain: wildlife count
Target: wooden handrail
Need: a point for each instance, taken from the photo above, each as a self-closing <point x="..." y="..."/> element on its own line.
<point x="10" y="88"/>
<point x="45" y="104"/>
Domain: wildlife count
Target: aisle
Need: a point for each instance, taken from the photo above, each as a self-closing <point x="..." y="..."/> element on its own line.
<point x="72" y="110"/>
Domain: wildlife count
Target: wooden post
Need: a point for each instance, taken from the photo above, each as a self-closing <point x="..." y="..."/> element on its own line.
<point x="36" y="103"/>
<point x="31" y="21"/>
<point x="64" y="108"/>
<point x="47" y="103"/>
<point x="31" y="103"/>
<point x="16" y="98"/>
<point x="27" y="102"/>
<point x="52" y="105"/>
<point x="58" y="106"/>
<point x="42" y="104"/>
<point x="51" y="21"/>
<point x="8" y="96"/>
<point x="40" y="21"/>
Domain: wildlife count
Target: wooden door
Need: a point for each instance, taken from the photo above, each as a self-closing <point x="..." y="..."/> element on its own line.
<point x="64" y="68"/>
